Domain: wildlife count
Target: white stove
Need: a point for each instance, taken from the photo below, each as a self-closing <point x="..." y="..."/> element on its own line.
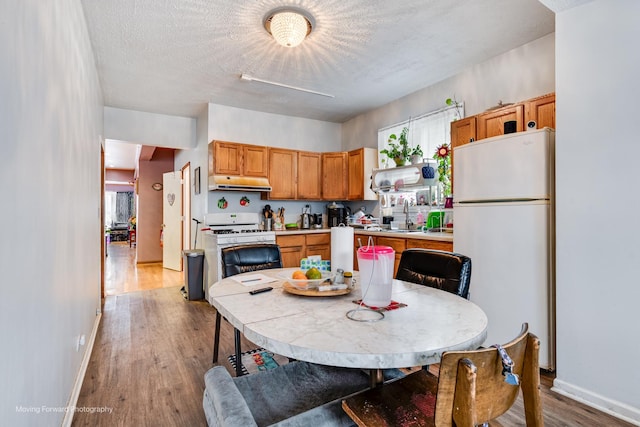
<point x="223" y="230"/>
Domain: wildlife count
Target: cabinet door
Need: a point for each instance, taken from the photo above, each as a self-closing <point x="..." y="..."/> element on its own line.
<point x="334" y="176"/>
<point x="318" y="244"/>
<point x="492" y="123"/>
<point x="542" y="111"/>
<point x="282" y="173"/>
<point x="355" y="165"/>
<point x="398" y="245"/>
<point x="462" y="131"/>
<point x="309" y="175"/>
<point x="360" y="165"/>
<point x="255" y="161"/>
<point x="292" y="249"/>
<point x="226" y="158"/>
<point x="212" y="153"/>
<point x="323" y="250"/>
<point x="358" y="241"/>
<point x="430" y="244"/>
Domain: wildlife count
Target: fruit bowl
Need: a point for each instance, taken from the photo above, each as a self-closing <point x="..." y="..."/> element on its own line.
<point x="306" y="283"/>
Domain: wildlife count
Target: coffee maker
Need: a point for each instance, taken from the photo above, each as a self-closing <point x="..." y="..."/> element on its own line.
<point x="337" y="214"/>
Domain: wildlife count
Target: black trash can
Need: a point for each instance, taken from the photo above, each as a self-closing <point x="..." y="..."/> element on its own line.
<point x="193" y="274"/>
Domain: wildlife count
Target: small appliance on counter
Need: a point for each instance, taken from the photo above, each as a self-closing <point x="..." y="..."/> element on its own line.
<point x="317" y="220"/>
<point x="337" y="214"/>
<point x="305" y="219"/>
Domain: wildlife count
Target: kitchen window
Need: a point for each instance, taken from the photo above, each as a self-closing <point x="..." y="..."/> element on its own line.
<point x="429" y="130"/>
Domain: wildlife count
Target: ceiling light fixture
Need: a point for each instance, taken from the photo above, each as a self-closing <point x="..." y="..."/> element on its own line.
<point x="289" y="26"/>
<point x="249" y="78"/>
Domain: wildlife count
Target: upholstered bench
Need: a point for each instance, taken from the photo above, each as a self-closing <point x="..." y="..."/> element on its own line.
<point x="296" y="394"/>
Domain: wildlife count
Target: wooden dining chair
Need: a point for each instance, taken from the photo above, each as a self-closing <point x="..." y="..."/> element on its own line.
<point x="444" y="270"/>
<point x="470" y="390"/>
<point x="243" y="259"/>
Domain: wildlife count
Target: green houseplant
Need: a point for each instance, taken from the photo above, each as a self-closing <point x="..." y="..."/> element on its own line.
<point x="398" y="151"/>
<point x="443" y="156"/>
<point x="416" y="154"/>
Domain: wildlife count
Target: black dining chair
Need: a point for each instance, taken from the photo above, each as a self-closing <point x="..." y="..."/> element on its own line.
<point x="242" y="259"/>
<point x="444" y="270"/>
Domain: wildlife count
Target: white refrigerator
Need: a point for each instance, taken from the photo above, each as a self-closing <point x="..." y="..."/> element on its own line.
<point x="504" y="221"/>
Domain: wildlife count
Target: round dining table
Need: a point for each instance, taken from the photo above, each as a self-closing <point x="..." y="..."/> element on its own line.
<point x="317" y="329"/>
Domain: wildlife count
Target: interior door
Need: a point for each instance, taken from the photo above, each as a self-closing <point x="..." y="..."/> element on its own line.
<point x="172" y="220"/>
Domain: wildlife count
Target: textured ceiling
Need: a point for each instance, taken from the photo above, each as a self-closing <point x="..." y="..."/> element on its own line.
<point x="175" y="56"/>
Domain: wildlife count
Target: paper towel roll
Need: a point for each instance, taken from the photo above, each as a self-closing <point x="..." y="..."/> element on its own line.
<point x="341" y="248"/>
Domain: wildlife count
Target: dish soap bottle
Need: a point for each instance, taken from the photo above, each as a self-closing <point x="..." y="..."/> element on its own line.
<point x="420" y="218"/>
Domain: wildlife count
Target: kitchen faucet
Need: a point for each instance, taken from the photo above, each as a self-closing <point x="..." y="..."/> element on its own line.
<point x="405" y="210"/>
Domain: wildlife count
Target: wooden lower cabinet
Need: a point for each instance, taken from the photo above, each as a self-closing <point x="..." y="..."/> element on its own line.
<point x="319" y="244"/>
<point x="430" y="244"/>
<point x="297" y="246"/>
<point x="292" y="249"/>
<point x="398" y="245"/>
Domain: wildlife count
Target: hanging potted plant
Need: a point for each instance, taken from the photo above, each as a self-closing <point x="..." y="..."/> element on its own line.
<point x="416" y="155"/>
<point x="443" y="156"/>
<point x="398" y="151"/>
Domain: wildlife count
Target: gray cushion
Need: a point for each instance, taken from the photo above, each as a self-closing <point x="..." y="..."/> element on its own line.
<point x="295" y="394"/>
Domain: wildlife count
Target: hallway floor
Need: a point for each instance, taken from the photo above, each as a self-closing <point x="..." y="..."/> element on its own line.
<point x="123" y="274"/>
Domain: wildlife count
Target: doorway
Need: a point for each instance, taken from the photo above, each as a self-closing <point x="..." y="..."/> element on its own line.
<point x="123" y="274"/>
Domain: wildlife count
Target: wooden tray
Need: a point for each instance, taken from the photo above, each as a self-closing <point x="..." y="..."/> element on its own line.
<point x="288" y="287"/>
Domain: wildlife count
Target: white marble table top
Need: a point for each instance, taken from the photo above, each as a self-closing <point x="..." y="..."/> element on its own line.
<point x="317" y="330"/>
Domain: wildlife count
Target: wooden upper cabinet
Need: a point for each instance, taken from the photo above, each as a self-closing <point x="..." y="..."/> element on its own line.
<point x="334" y="176"/>
<point x="541" y="110"/>
<point x="255" y="161"/>
<point x="282" y="173"/>
<point x="360" y="164"/>
<point x="231" y="158"/>
<point x="227" y="157"/>
<point x="211" y="149"/>
<point x="491" y="123"/>
<point x="462" y="131"/>
<point x="309" y="175"/>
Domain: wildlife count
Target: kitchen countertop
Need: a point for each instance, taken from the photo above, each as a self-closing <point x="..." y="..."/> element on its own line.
<point x="428" y="235"/>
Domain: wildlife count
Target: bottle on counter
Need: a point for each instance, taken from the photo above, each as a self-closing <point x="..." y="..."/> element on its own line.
<point x="348" y="279"/>
<point x="420" y="218"/>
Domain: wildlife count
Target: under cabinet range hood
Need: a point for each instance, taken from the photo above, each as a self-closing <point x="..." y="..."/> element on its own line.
<point x="238" y="183"/>
<point x="405" y="178"/>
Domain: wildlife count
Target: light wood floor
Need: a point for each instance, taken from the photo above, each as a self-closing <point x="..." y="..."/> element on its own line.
<point x="122" y="274"/>
<point x="153" y="349"/>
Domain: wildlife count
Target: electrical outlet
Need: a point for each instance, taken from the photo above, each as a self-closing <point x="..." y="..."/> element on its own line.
<point x="80" y="341"/>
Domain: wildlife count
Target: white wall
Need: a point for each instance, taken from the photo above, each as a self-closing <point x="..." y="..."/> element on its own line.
<point x="598" y="285"/>
<point x="158" y="130"/>
<point x="273" y="130"/>
<point x="522" y="73"/>
<point x="197" y="157"/>
<point x="50" y="133"/>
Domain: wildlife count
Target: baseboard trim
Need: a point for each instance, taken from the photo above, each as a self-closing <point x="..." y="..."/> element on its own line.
<point x="612" y="407"/>
<point x="68" y="417"/>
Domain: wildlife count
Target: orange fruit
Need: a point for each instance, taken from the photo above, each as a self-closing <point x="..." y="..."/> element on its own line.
<point x="299" y="275"/>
